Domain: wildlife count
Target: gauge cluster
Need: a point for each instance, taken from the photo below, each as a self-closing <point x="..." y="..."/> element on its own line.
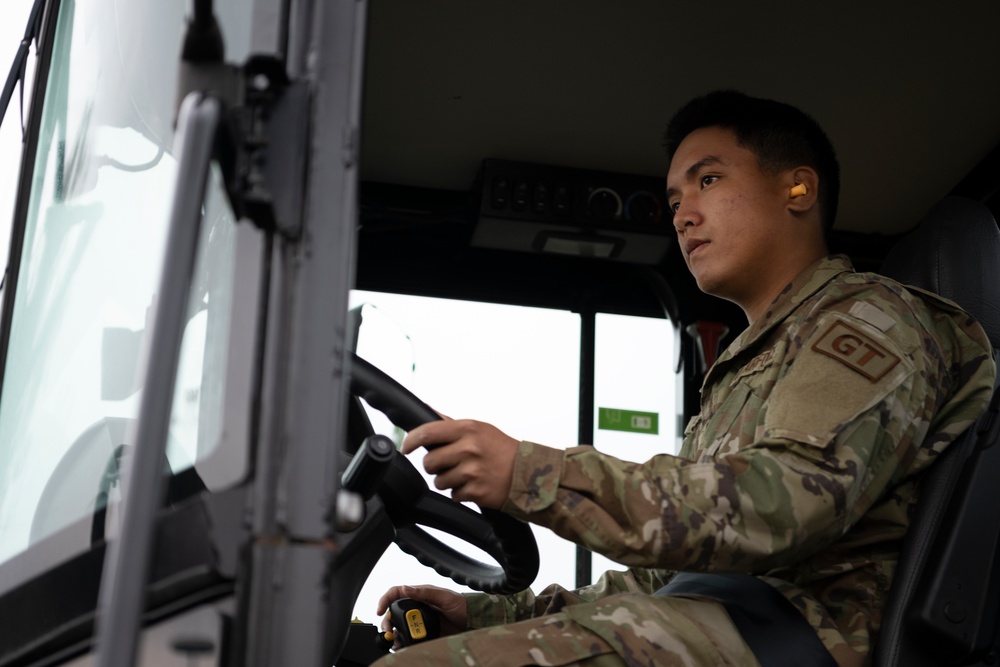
<point x="542" y="208"/>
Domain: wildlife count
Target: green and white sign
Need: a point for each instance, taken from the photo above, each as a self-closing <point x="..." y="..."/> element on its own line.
<point x="632" y="421"/>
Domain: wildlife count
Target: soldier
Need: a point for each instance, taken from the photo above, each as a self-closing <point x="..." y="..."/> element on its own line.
<point x="815" y="424"/>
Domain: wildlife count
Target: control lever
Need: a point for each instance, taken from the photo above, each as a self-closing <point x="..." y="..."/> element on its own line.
<point x="361" y="479"/>
<point x="412" y="622"/>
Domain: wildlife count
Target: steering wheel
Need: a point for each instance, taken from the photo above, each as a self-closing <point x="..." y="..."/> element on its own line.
<point x="409" y="503"/>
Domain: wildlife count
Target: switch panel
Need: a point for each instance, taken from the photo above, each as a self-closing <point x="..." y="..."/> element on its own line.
<point x="541" y="208"/>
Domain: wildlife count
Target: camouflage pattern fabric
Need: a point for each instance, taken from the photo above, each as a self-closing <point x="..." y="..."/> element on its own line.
<point x="611" y="631"/>
<point x="801" y="468"/>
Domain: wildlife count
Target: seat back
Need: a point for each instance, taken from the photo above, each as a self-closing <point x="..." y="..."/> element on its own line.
<point x="945" y="598"/>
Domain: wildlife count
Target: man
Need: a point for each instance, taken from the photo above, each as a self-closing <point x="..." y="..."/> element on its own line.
<point x="800" y="469"/>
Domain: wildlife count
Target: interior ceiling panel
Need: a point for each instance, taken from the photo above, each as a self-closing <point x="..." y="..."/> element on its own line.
<point x="907" y="91"/>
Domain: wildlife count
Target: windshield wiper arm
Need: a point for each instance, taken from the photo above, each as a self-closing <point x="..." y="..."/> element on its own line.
<point x="19" y="67"/>
<point x="203" y="39"/>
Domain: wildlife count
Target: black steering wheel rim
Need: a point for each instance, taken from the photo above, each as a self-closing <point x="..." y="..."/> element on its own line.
<point x="410" y="504"/>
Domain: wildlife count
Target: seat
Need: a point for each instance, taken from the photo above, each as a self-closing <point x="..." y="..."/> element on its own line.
<point x="945" y="598"/>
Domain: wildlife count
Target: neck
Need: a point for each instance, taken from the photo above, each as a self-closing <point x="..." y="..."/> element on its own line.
<point x="777" y="278"/>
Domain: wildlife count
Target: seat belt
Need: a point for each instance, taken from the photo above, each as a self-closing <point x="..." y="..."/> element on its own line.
<point x="776" y="632"/>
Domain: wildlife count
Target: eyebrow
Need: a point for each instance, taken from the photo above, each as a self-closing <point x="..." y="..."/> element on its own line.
<point x="693" y="170"/>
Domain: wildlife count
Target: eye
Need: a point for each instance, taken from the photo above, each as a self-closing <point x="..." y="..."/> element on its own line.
<point x="708" y="180"/>
<point x="674" y="205"/>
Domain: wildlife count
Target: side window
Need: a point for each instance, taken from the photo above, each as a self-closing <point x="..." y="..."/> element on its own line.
<point x="90" y="264"/>
<point x="635" y="393"/>
<point x="519" y="369"/>
<point x="635" y="387"/>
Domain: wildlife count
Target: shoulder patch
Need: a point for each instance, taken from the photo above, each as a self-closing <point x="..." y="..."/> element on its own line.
<point x="856" y="350"/>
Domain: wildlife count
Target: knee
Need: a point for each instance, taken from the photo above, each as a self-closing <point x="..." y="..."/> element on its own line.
<point x="429" y="654"/>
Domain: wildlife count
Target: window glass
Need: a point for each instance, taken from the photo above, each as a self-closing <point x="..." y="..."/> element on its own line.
<point x="635" y="393"/>
<point x="635" y="385"/>
<point x="98" y="209"/>
<point x="517" y="368"/>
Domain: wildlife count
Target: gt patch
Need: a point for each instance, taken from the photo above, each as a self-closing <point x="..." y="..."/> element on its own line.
<point x="856" y="351"/>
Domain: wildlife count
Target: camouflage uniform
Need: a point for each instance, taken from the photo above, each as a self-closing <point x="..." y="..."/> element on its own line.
<point x="801" y="468"/>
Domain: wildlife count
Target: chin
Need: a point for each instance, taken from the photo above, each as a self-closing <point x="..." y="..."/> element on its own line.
<point x="706" y="284"/>
<point x="713" y="286"/>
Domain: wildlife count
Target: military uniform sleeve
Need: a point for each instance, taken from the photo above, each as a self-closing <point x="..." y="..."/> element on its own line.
<point x="847" y="418"/>
<point x="486" y="610"/>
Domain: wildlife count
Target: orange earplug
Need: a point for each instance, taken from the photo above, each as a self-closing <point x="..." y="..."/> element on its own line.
<point x="798" y="190"/>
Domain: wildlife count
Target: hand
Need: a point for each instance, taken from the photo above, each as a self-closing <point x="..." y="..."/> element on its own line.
<point x="473" y="459"/>
<point x="451" y="605"/>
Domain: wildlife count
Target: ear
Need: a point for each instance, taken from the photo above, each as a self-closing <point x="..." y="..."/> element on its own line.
<point x="803" y="189"/>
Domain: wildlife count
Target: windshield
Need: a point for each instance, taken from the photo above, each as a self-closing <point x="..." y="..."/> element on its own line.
<point x="99" y="202"/>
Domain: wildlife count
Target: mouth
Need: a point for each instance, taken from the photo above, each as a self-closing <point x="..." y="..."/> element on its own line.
<point x="692" y="245"/>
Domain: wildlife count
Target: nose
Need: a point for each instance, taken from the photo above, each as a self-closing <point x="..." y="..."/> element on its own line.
<point x="685" y="216"/>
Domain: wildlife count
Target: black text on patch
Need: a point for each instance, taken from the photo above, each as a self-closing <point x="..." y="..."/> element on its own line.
<point x="856" y="351"/>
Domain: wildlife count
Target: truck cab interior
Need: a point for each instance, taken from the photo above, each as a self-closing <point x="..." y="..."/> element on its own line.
<point x="469" y="197"/>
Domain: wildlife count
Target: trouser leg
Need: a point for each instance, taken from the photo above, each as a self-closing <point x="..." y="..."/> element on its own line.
<point x="621" y="630"/>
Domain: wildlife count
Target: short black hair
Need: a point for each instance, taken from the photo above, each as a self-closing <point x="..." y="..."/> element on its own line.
<point x="780" y="135"/>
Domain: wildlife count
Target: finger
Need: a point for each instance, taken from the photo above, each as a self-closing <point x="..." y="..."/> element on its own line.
<point x="432" y="595"/>
<point x="430" y="434"/>
<point x="468" y="482"/>
<point x="451" y="477"/>
<point x="390" y="596"/>
<point x="445" y="457"/>
<point x="416" y="439"/>
<point x="460" y="494"/>
<point x="464" y="492"/>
